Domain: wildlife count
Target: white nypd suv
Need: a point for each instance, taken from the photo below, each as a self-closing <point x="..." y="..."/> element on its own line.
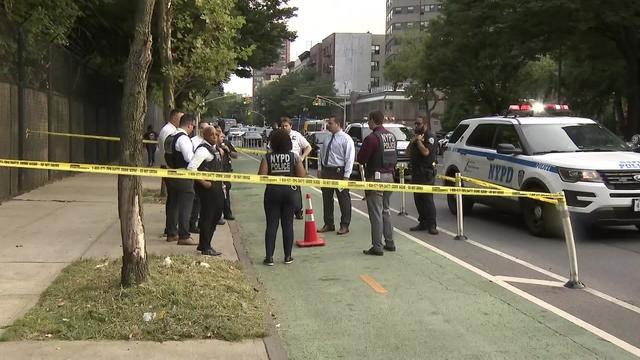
<point x="596" y="170"/>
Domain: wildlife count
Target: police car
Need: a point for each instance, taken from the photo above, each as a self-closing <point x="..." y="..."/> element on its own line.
<point x="539" y="147"/>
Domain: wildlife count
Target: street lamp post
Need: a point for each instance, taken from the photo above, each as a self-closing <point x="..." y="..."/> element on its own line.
<point x="327" y="99"/>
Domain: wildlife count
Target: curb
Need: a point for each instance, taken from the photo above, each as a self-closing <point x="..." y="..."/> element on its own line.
<point x="272" y="343"/>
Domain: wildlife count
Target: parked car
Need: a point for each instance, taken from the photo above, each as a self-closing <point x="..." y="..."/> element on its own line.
<point x="442" y="143"/>
<point x="403" y="134"/>
<point x="596" y="170"/>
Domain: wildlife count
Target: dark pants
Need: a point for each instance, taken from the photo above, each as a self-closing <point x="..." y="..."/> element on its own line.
<point x="211" y="202"/>
<point x="424" y="202"/>
<point x="226" y="211"/>
<point x="344" y="199"/>
<point x="178" y="209"/>
<point x="279" y="207"/>
<point x="195" y="212"/>
<point x="298" y="199"/>
<point x="151" y="155"/>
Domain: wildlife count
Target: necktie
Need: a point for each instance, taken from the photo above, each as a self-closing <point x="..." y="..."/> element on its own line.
<point x="328" y="150"/>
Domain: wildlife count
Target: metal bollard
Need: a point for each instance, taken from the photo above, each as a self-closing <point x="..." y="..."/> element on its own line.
<point x="459" y="215"/>
<point x="574" y="281"/>
<point x="403" y="209"/>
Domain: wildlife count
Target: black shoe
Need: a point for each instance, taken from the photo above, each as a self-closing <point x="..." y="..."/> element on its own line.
<point x="268" y="261"/>
<point x="418" y="228"/>
<point x="230" y="217"/>
<point x="433" y="230"/>
<point x="221" y="222"/>
<point x="211" y="252"/>
<point x="299" y="215"/>
<point x="373" y="251"/>
<point x="194" y="230"/>
<point x="390" y="248"/>
<point x="327" y="228"/>
<point x="288" y="260"/>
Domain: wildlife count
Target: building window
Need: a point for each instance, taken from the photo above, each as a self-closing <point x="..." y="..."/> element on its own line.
<point x="397" y="26"/>
<point x="389" y="3"/>
<point x="375" y="81"/>
<point x="410" y="9"/>
<point x="410" y="25"/>
<point x="423" y="25"/>
<point x="390" y="30"/>
<point x="375" y="65"/>
<point x="397" y="10"/>
<point x="375" y="49"/>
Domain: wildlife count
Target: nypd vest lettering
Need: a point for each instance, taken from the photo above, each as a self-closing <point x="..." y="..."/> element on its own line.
<point x="281" y="164"/>
<point x="385" y="157"/>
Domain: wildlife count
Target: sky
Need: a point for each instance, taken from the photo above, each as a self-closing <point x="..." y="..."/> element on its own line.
<point x="318" y="19"/>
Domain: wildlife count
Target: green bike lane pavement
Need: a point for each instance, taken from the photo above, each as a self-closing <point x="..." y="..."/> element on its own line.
<point x="432" y="308"/>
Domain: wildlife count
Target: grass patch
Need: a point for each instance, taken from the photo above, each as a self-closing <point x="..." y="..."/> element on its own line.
<point x="152" y="196"/>
<point x="190" y="301"/>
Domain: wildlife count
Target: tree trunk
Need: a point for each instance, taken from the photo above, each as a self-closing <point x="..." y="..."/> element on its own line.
<point x="618" y="110"/>
<point x="134" y="106"/>
<point x="164" y="26"/>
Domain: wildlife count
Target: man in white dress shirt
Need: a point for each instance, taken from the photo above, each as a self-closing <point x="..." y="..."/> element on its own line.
<point x="337" y="155"/>
<point x="178" y="154"/>
<point x="167" y="130"/>
<point x="300" y="146"/>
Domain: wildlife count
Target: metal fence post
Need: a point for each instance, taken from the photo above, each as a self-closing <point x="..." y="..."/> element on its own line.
<point x="459" y="212"/>
<point x="574" y="281"/>
<point x="361" y="168"/>
<point x="403" y="209"/>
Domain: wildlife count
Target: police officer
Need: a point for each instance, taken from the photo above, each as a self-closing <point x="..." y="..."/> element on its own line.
<point x="302" y="148"/>
<point x="378" y="153"/>
<point x="280" y="200"/>
<point x="230" y="152"/>
<point x="422" y="151"/>
<point x="178" y="153"/>
<point x="195" y="209"/>
<point x="208" y="157"/>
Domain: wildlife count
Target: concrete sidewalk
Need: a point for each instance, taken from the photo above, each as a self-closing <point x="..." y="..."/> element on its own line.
<point x="44" y="230"/>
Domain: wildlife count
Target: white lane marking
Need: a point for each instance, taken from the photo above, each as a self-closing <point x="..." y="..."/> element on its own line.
<point x="519" y="280"/>
<point x="496" y="279"/>
<point x="533" y="267"/>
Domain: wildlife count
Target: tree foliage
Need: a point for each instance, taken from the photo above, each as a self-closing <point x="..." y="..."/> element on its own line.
<point x="292" y="95"/>
<point x="484" y="55"/>
<point x="265" y="30"/>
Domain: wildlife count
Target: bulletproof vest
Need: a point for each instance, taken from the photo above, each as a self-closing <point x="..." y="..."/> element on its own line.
<point x="281" y="164"/>
<point x="385" y="156"/>
<point x="214" y="165"/>
<point x="173" y="157"/>
<point x="421" y="164"/>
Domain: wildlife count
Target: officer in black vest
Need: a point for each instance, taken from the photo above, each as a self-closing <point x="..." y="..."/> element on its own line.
<point x="178" y="153"/>
<point x="208" y="157"/>
<point x="423" y="158"/>
<point x="378" y="153"/>
<point x="280" y="201"/>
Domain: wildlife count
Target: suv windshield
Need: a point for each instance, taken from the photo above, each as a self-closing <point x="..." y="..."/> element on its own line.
<point x="552" y="138"/>
<point x="402" y="133"/>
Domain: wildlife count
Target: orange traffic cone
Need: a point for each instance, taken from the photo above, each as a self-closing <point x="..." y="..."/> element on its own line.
<point x="310" y="230"/>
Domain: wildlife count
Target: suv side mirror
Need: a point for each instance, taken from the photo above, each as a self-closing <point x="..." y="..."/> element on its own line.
<point x="508" y="149"/>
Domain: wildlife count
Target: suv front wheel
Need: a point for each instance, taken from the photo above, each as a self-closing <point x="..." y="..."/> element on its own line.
<point x="542" y="219"/>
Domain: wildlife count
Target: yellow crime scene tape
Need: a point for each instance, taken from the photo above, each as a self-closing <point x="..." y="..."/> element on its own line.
<point x="266" y="179"/>
<point x="113" y="138"/>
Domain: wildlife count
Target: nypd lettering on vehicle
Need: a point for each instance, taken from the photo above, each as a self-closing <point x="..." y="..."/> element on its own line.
<point x="500" y="173"/>
<point x="630" y="164"/>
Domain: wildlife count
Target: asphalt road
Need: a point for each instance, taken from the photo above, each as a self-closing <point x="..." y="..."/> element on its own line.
<point x="609" y="262"/>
